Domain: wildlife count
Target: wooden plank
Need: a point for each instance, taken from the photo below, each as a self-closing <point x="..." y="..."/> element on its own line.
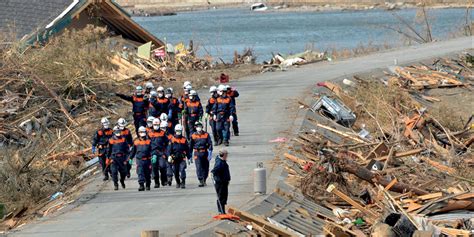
<point x="393" y="182"/>
<point x="371" y="215"/>
<point x="438" y="165"/>
<point x="295" y="159"/>
<point x="430" y="196"/>
<point x="402" y="154"/>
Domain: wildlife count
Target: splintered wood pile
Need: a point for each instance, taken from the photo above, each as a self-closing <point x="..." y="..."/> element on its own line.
<point x="410" y="173"/>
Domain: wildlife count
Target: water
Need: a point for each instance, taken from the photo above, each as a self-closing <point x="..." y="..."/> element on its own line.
<point x="220" y="32"/>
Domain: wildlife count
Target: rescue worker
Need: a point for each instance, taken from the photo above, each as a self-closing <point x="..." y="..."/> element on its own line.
<point x="221" y="179"/>
<point x="117" y="151"/>
<point x="182" y="105"/>
<point x="159" y="143"/>
<point x="100" y="141"/>
<point x="139" y="106"/>
<point x="141" y="151"/>
<point x="149" y="124"/>
<point x="173" y="115"/>
<point x="152" y="111"/>
<point x="178" y="152"/>
<point x="161" y="104"/>
<point x="233" y="93"/>
<point x="164" y="126"/>
<point x="209" y="112"/>
<point x="223" y="110"/>
<point x="127" y="134"/>
<point x="201" y="148"/>
<point x="193" y="112"/>
<point x="164" y="117"/>
<point x="148" y="88"/>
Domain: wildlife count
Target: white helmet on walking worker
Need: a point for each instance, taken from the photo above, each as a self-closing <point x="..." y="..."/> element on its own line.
<point x="122" y="123"/>
<point x="188" y="88"/>
<point x="169" y="92"/>
<point x="138" y="90"/>
<point x="105" y="122"/>
<point x="153" y="93"/>
<point x="178" y="129"/>
<point x="160" y="89"/>
<point x="227" y="87"/>
<point x="149" y="121"/>
<point x="193" y="93"/>
<point x="164" y="125"/>
<point x="164" y="117"/>
<point x="220" y="89"/>
<point x="212" y="89"/>
<point x="149" y="85"/>
<point x="142" y="131"/>
<point x="186" y="83"/>
<point x="156" y="123"/>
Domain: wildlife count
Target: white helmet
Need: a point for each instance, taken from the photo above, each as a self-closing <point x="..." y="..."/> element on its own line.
<point x="149" y="120"/>
<point x="117" y="130"/>
<point x="164" y="117"/>
<point x="227" y="87"/>
<point x="188" y="88"/>
<point x="163" y="124"/>
<point x="153" y="93"/>
<point x="105" y="122"/>
<point x="169" y="90"/>
<point x="193" y="93"/>
<point x="149" y="85"/>
<point x="142" y="131"/>
<point x="122" y="123"/>
<point x="221" y="88"/>
<point x="186" y="83"/>
<point x="213" y="89"/>
<point x="160" y="89"/>
<point x="138" y="90"/>
<point x="178" y="127"/>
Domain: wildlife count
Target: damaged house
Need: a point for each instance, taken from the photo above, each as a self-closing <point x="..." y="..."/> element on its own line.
<point x="35" y="21"/>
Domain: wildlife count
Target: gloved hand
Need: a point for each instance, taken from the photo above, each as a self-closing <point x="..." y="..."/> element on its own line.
<point x="153" y="159"/>
<point x="93" y="150"/>
<point x="190" y="161"/>
<point x="231" y="118"/>
<point x="170" y="159"/>
<point x="130" y="162"/>
<point x="214" y="117"/>
<point x="209" y="156"/>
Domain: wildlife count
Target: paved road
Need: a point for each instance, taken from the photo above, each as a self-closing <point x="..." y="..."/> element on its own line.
<point x="262" y="115"/>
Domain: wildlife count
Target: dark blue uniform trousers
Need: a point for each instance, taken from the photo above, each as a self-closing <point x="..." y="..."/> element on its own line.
<point x="144" y="171"/>
<point x="202" y="165"/>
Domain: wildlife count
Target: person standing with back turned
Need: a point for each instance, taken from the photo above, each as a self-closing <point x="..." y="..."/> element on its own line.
<point x="221" y="177"/>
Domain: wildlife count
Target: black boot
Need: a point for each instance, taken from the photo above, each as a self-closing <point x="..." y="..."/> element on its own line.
<point x="204" y="182"/>
<point x="148" y="187"/>
<point x="219" y="142"/>
<point x="226" y="143"/>
<point x="170" y="181"/>
<point x="115" y="186"/>
<point x="201" y="183"/>
<point x="141" y="188"/>
<point x="157" y="184"/>
<point x="163" y="183"/>
<point x="122" y="182"/>
<point x="106" y="177"/>
<point x="178" y="185"/>
<point x="183" y="184"/>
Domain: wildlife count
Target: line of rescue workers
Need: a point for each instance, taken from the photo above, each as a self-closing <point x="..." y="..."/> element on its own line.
<point x="170" y="135"/>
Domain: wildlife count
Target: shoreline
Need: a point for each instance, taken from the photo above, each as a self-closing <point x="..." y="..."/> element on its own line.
<point x="154" y="10"/>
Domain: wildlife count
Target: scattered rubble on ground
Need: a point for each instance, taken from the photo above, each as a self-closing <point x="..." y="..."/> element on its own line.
<point x="398" y="169"/>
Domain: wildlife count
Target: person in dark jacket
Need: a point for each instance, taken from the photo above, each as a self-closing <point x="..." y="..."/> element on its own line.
<point x="141" y="150"/>
<point x="209" y="113"/>
<point x="222" y="114"/>
<point x="118" y="152"/>
<point x="221" y="177"/>
<point x="127" y="134"/>
<point x="140" y="105"/>
<point x="174" y="112"/>
<point x="100" y="141"/>
<point x="193" y="112"/>
<point x="178" y="152"/>
<point x="159" y="163"/>
<point x="201" y="147"/>
<point x="233" y="93"/>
